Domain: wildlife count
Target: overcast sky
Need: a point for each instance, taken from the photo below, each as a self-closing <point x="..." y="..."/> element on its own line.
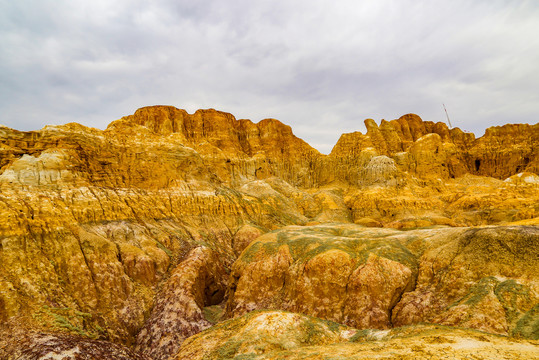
<point x="320" y="66"/>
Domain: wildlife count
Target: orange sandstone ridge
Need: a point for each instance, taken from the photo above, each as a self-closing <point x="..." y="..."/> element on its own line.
<point x="501" y="152"/>
<point x="239" y="148"/>
<point x="170" y="235"/>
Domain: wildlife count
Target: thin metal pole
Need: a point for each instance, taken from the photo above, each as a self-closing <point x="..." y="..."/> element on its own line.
<point x="448" y="121"/>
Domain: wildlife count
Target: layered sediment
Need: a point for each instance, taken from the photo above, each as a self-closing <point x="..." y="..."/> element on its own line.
<point x="167" y="223"/>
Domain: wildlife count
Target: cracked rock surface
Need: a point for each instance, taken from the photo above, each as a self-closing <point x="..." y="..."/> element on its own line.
<point x="128" y="242"/>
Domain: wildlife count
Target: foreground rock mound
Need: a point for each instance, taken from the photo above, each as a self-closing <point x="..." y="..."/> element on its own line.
<point x="483" y="278"/>
<point x="261" y="332"/>
<point x="342" y="273"/>
<point x="283" y="335"/>
<point x="478" y="278"/>
<point x="39" y="346"/>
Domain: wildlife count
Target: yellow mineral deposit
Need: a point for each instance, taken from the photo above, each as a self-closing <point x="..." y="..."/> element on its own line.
<point x="198" y="236"/>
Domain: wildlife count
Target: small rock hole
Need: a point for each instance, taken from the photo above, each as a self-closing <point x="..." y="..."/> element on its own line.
<point x="477" y="164"/>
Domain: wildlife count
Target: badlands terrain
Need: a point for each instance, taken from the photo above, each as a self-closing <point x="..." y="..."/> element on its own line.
<point x="198" y="236"/>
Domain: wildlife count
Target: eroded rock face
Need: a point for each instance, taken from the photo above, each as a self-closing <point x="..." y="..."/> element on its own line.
<point x="379" y="170"/>
<point x="506" y="150"/>
<point x="466" y="201"/>
<point x="430" y="149"/>
<point x="42" y="346"/>
<point x="93" y="256"/>
<point x="262" y="332"/>
<point x="283" y="335"/>
<point x="343" y="273"/>
<point x="198" y="281"/>
<point x="401" y="169"/>
<point x="484" y="279"/>
<point x="168" y="146"/>
<point x="478" y="278"/>
<point x="107" y="234"/>
<point x="232" y="148"/>
<point x="98" y="279"/>
<point x="244" y="236"/>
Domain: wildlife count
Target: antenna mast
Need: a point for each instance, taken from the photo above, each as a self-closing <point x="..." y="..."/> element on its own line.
<point x="448" y="121"/>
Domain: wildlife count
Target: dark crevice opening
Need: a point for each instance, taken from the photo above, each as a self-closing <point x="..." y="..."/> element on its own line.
<point x="214" y="294"/>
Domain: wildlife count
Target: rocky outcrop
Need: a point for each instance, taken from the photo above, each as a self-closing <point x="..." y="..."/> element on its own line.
<point x="234" y="149"/>
<point x="430" y="149"/>
<point x="41" y="346"/>
<point x="101" y="252"/>
<point x="466" y="201"/>
<point x="127" y="235"/>
<point x="483" y="279"/>
<point x="196" y="282"/>
<point x="162" y="146"/>
<point x="339" y="273"/>
<point x="365" y="278"/>
<point x="283" y="335"/>
<point x="244" y="236"/>
<point x="420" y="147"/>
<point x="75" y="155"/>
<point x="506" y="150"/>
<point x="261" y="332"/>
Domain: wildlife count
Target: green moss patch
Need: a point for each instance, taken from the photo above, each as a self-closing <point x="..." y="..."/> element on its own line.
<point x="213" y="313"/>
<point x="69" y="320"/>
<point x="478" y="292"/>
<point x="263" y="332"/>
<point x="528" y="325"/>
<point x="305" y="243"/>
<point x="513" y="297"/>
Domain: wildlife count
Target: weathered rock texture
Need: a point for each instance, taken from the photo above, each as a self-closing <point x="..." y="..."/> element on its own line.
<point x="261" y="332"/>
<point x="198" y="281"/>
<point x="29" y="345"/>
<point x="432" y="150"/>
<point x="128" y="234"/>
<point x="283" y="335"/>
<point x="342" y="273"/>
<point x="478" y="278"/>
<point x="483" y="278"/>
<point x="235" y="150"/>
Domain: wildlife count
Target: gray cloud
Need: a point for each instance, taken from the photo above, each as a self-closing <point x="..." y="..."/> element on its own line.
<point x="320" y="66"/>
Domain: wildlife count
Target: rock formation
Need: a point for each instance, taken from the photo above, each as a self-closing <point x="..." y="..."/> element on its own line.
<point x="478" y="278"/>
<point x="29" y="345"/>
<point x="432" y="150"/>
<point x="125" y="242"/>
<point x="483" y="279"/>
<point x="261" y="332"/>
<point x="198" y="281"/>
<point x="283" y="335"/>
<point x="337" y="273"/>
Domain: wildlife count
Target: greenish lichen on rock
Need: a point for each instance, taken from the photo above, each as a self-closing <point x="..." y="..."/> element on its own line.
<point x="343" y="273"/>
<point x="261" y="332"/>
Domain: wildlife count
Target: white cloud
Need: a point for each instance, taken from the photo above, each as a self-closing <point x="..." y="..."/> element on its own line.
<point x="320" y="66"/>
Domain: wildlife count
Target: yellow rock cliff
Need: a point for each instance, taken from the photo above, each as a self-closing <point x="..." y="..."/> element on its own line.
<point x="127" y="242"/>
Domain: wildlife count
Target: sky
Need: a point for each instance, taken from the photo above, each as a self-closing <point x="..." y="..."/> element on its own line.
<point x="322" y="67"/>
